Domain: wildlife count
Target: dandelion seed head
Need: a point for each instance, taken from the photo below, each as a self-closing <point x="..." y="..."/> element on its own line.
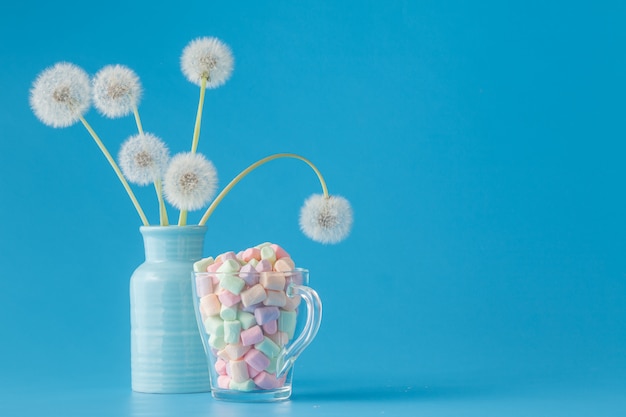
<point x="209" y="58"/>
<point x="116" y="91"/>
<point x="190" y="181"/>
<point x="60" y="95"/>
<point x="326" y="220"/>
<point x="143" y="158"/>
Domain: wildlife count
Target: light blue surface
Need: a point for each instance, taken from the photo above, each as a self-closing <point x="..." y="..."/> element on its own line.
<point x="481" y="145"/>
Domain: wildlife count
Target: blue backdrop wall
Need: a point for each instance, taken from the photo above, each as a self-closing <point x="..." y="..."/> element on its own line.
<point x="481" y="146"/>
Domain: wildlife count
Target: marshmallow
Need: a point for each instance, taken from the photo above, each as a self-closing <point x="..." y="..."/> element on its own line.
<point x="214" y="267"/>
<point x="232" y="283"/>
<point x="210" y="305"/>
<point x="280" y="252"/>
<point x="247" y="385"/>
<point x="256" y="359"/>
<point x="272" y="280"/>
<point x="214" y="325"/>
<point x="284" y="265"/>
<point x="232" y="330"/>
<point x="252" y="335"/>
<point x="280" y="338"/>
<point x="223" y="381"/>
<point x="249" y="274"/>
<point x="287" y="322"/>
<point x="228" y="313"/>
<point x="251" y="253"/>
<point x="271" y="327"/>
<point x="235" y="351"/>
<point x="292" y="302"/>
<point x="252" y="372"/>
<point x="202" y="264"/>
<point x="228" y="299"/>
<point x="253" y="295"/>
<point x="247" y="320"/>
<point x="229" y="265"/>
<point x="204" y="285"/>
<point x="275" y="298"/>
<point x="226" y="256"/>
<point x="265" y="314"/>
<point x="267" y="381"/>
<point x="268" y="347"/>
<point x="263" y="266"/>
<point x="238" y="370"/>
<point x="217" y="342"/>
<point x="267" y="253"/>
<point x="220" y="367"/>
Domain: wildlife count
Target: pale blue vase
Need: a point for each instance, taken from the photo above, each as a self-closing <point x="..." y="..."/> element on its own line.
<point x="167" y="355"/>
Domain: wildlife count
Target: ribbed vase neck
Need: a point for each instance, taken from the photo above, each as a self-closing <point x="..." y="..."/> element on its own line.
<point x="173" y="243"/>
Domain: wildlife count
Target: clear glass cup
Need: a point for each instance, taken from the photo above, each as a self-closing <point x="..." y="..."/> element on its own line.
<point x="253" y="327"/>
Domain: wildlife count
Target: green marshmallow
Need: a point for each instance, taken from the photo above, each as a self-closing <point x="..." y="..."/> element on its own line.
<point x="246" y="319"/>
<point x="217" y="342"/>
<point x="232" y="330"/>
<point x="232" y="283"/>
<point x="228" y="313"/>
<point x="202" y="264"/>
<point x="268" y="347"/>
<point x="247" y="385"/>
<point x="214" y="326"/>
<point x="287" y="322"/>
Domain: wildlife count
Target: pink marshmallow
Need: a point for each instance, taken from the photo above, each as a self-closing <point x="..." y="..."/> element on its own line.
<point x="252" y="372"/>
<point x="256" y="359"/>
<point x="251" y="336"/>
<point x="280" y="338"/>
<point x="225" y="256"/>
<point x="251" y="253"/>
<point x="267" y="381"/>
<point x="292" y="302"/>
<point x="220" y="367"/>
<point x="214" y="266"/>
<point x="223" y="381"/>
<point x="204" y="285"/>
<point x="280" y="252"/>
<point x="228" y="298"/>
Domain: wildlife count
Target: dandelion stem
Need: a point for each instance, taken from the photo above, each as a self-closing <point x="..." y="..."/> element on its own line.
<point x="251" y="168"/>
<point x="138" y="120"/>
<point x="158" y="186"/>
<point x="196" y="129"/>
<point x="182" y="219"/>
<point x="117" y="170"/>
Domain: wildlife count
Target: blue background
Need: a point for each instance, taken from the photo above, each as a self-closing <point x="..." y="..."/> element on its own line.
<point x="481" y="145"/>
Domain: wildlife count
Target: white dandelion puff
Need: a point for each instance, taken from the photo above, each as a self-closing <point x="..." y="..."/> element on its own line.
<point x="143" y="158"/>
<point x="326" y="220"/>
<point x="209" y="58"/>
<point x="116" y="91"/>
<point x="61" y="95"/>
<point x="190" y="181"/>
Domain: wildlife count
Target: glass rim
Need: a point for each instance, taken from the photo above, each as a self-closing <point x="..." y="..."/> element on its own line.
<point x="290" y="272"/>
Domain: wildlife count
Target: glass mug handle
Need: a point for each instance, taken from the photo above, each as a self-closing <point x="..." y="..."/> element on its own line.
<point x="312" y="325"/>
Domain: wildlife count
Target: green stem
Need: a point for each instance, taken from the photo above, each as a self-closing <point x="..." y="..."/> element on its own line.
<point x="137" y="120"/>
<point x="158" y="186"/>
<point x="164" y="221"/>
<point x="182" y="219"/>
<point x="251" y="168"/>
<point x="117" y="170"/>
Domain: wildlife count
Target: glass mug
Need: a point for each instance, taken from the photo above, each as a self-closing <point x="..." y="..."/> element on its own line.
<point x="253" y="328"/>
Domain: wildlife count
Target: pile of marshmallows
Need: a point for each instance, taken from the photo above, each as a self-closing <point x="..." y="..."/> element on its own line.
<point x="247" y="313"/>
